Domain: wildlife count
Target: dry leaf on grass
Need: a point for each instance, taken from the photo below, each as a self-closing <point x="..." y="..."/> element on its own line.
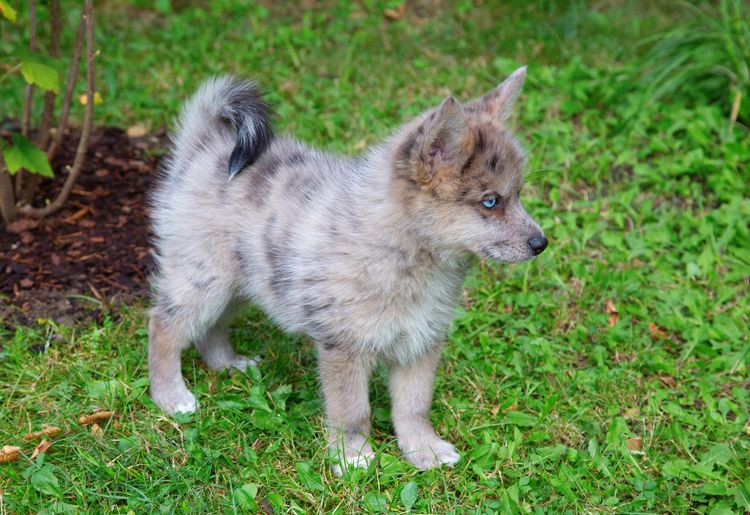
<point x="40" y="448"/>
<point x="611" y="309"/>
<point x="9" y="453"/>
<point x="49" y="432"/>
<point x="99" y="416"/>
<point x="656" y="331"/>
<point x="96" y="431"/>
<point x="395" y="14"/>
<point x="668" y="381"/>
<point x="512" y="407"/>
<point x="635" y="443"/>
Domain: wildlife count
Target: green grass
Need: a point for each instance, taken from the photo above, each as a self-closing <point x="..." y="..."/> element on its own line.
<point x="538" y="390"/>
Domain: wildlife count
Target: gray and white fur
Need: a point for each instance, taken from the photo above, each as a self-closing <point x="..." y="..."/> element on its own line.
<point x="367" y="255"/>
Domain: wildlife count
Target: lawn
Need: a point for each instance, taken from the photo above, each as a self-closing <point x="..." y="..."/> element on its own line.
<point x="608" y="375"/>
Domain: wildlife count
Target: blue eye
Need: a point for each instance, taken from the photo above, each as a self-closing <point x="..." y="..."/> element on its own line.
<point x="489" y="202"/>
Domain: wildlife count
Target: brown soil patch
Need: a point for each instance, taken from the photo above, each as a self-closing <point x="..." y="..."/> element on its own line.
<point x="95" y="252"/>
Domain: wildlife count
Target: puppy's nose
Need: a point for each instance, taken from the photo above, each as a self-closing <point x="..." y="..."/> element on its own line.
<point x="537" y="244"/>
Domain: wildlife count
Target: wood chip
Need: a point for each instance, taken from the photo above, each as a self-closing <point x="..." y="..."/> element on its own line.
<point x="9" y="453"/>
<point x="83" y="193"/>
<point x="96" y="294"/>
<point x="77" y="215"/>
<point x="49" y="432"/>
<point x="99" y="416"/>
<point x="22" y="225"/>
<point x="136" y="131"/>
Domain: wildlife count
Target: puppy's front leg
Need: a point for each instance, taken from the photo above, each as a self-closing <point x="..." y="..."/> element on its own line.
<point x="411" y="396"/>
<point x="345" y="378"/>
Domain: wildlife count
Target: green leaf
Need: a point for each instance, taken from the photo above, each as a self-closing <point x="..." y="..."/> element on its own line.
<point x="257" y="399"/>
<point x="409" y="495"/>
<point x="722" y="508"/>
<point x="275" y="499"/>
<point x="742" y="495"/>
<point x="674" y="468"/>
<point x="245" y="495"/>
<point x="8" y="12"/>
<point x="42" y="75"/>
<point x="309" y="477"/>
<point x="163" y="6"/>
<point x="714" y="489"/>
<point x="102" y="389"/>
<point x="376" y="502"/>
<point x="719" y="453"/>
<point x="563" y="487"/>
<point x="520" y="418"/>
<point x="45" y="481"/>
<point x="23" y="154"/>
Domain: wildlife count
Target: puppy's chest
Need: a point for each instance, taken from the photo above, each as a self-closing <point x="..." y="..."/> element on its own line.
<point x="405" y="314"/>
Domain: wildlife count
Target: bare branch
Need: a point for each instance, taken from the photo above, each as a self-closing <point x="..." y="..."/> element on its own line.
<point x="49" y="97"/>
<point x="69" y="88"/>
<point x="88" y="14"/>
<point x="7" y="197"/>
<point x="26" y="120"/>
<point x="45" y="122"/>
<point x="28" y="91"/>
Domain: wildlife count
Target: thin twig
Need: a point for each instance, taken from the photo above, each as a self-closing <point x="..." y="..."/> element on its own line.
<point x="735" y="108"/>
<point x="69" y="88"/>
<point x="45" y="122"/>
<point x="28" y="92"/>
<point x="11" y="70"/>
<point x="49" y="98"/>
<point x="88" y="13"/>
<point x="26" y="120"/>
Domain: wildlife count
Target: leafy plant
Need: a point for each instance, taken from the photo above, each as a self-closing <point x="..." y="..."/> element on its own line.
<point x="707" y="57"/>
<point x="25" y="158"/>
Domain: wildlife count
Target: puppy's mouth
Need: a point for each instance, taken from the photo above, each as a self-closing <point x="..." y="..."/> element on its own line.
<point x="504" y="252"/>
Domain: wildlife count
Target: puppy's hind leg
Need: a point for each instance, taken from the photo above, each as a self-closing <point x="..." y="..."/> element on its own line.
<point x="184" y="312"/>
<point x="165" y="344"/>
<point x="217" y="351"/>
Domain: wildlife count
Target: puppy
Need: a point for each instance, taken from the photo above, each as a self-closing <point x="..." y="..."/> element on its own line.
<point x="366" y="254"/>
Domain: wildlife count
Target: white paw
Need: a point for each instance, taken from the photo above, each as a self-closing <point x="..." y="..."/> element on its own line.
<point x="176" y="402"/>
<point x="350" y="458"/>
<point x="432" y="454"/>
<point x="241" y="363"/>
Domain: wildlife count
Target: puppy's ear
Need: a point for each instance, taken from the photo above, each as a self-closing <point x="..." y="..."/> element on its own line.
<point x="500" y="100"/>
<point x="443" y="140"/>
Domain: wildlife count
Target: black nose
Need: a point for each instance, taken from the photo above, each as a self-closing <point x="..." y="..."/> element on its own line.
<point x="538" y="244"/>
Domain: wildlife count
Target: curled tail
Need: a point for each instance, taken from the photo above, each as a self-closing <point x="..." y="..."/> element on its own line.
<point x="226" y="103"/>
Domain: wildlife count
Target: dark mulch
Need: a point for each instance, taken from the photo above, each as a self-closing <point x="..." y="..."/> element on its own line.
<point x="94" y="253"/>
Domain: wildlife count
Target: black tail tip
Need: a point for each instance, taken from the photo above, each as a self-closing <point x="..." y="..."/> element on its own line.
<point x="251" y="117"/>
